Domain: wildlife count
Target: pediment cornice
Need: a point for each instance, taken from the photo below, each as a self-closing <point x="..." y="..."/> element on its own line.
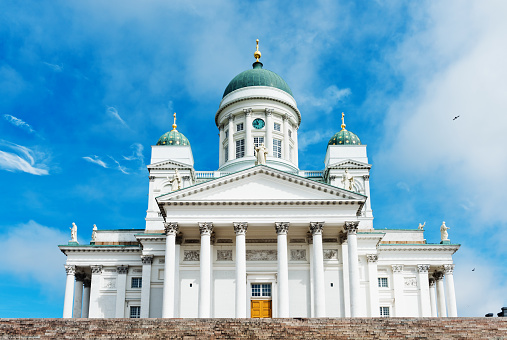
<point x="349" y="164"/>
<point x="169" y="165"/>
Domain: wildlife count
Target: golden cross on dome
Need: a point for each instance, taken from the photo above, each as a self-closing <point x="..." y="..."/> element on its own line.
<point x="343" y="121"/>
<point x="174" y="124"/>
<point x="257" y="53"/>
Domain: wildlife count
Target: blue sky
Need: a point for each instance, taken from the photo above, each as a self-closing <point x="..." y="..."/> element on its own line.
<point x="87" y="86"/>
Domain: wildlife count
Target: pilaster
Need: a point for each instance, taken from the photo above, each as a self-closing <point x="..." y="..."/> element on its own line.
<point x="147" y="260"/>
<point x="95" y="311"/>
<point x="398" y="290"/>
<point x="168" y="302"/>
<point x="69" y="291"/>
<point x="282" y="229"/>
<point x="373" y="284"/>
<point x="318" y="266"/>
<point x="424" y="290"/>
<point x="121" y="285"/>
<point x="351" y="229"/>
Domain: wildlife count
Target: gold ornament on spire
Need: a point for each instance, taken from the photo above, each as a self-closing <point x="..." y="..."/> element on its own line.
<point x="343" y="122"/>
<point x="174" y="124"/>
<point x="257" y="53"/>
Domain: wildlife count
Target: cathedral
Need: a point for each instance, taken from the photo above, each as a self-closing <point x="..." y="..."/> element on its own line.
<point x="258" y="237"/>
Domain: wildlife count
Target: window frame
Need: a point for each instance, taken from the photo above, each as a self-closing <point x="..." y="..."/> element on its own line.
<point x="135" y="315"/>
<point x="277" y="127"/>
<point x="277" y="149"/>
<point x="240" y="127"/>
<point x="139" y="281"/>
<point x="240" y="148"/>
<point x="382" y="311"/>
<point x="259" y="142"/>
<point x="381" y="281"/>
<point x="261" y="290"/>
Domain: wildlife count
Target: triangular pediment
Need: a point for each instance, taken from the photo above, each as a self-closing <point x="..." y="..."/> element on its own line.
<point x="349" y="164"/>
<point x="169" y="165"/>
<point x="261" y="183"/>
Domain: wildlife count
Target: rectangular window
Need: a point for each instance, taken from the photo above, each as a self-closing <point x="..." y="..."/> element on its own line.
<point x="277" y="127"/>
<point x="137" y="282"/>
<point x="258" y="141"/>
<point x="290" y="133"/>
<point x="261" y="289"/>
<point x="291" y="150"/>
<point x="226" y="153"/>
<point x="240" y="148"/>
<point x="226" y="133"/>
<point x="384" y="312"/>
<point x="382" y="282"/>
<point x="135" y="312"/>
<point x="277" y="148"/>
<point x="239" y="127"/>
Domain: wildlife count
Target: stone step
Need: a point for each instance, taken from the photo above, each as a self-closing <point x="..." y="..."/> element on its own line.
<point x="297" y="328"/>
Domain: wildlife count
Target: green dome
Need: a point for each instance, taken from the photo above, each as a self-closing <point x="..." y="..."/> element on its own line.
<point x="173" y="137"/>
<point x="344" y="137"/>
<point x="257" y="77"/>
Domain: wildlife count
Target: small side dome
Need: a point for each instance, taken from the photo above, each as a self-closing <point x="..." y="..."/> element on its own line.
<point x="344" y="137"/>
<point x="173" y="137"/>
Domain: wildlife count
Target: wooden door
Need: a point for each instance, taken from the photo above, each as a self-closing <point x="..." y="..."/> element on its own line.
<point x="261" y="308"/>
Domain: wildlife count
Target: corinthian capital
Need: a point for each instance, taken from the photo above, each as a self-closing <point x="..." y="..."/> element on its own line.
<point x="147" y="259"/>
<point x="316" y="228"/>
<point x="171" y="228"/>
<point x="206" y="228"/>
<point x="122" y="269"/>
<point x="269" y="112"/>
<point x="423" y="268"/>
<point x="397" y="268"/>
<point x="248" y="111"/>
<point x="372" y="258"/>
<point x="282" y="228"/>
<point x="240" y="228"/>
<point x="96" y="269"/>
<point x="351" y="227"/>
<point x="448" y="268"/>
<point x="71" y="270"/>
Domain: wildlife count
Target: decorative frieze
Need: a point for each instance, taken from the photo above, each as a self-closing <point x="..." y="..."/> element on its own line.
<point x="224" y="255"/>
<point x="147" y="259"/>
<point x="261" y="255"/>
<point x="330" y="240"/>
<point x="240" y="228"/>
<point x="137" y="270"/>
<point x="351" y="227"/>
<point x="171" y="228"/>
<point x="122" y="270"/>
<point x="372" y="258"/>
<point x="330" y="254"/>
<point x="261" y="240"/>
<point x="110" y="270"/>
<point x="298" y="255"/>
<point x="297" y="240"/>
<point x="224" y="240"/>
<point x="282" y="228"/>
<point x="410" y="282"/>
<point x="205" y="228"/>
<point x="423" y="268"/>
<point x="397" y="268"/>
<point x="191" y="255"/>
<point x="316" y="228"/>
<point x="70" y="270"/>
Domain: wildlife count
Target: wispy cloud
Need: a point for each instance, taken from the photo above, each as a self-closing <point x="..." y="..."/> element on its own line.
<point x="137" y="155"/>
<point x="119" y="166"/>
<point x="54" y="67"/>
<point x="328" y="100"/>
<point x="96" y="160"/>
<point x="311" y="137"/>
<point x="19" y="123"/>
<point x="21" y="158"/>
<point x="113" y="112"/>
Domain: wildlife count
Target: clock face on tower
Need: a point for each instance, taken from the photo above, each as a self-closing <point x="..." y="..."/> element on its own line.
<point x="258" y="123"/>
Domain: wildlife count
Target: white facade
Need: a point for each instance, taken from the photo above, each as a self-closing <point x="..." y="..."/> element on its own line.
<point x="252" y="240"/>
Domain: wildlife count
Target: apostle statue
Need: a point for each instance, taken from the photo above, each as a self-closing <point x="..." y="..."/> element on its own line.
<point x="348" y="180"/>
<point x="176" y="181"/>
<point x="94" y="233"/>
<point x="261" y="152"/>
<point x="73" y="233"/>
<point x="443" y="232"/>
<point x="421" y="226"/>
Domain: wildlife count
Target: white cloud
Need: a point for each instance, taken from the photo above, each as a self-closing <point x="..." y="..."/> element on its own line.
<point x="119" y="166"/>
<point x="111" y="110"/>
<point x="54" y="67"/>
<point x="29" y="251"/>
<point x="329" y="98"/>
<point x="96" y="160"/>
<point x="19" y="123"/>
<point x="137" y="155"/>
<point x="21" y="159"/>
<point x="312" y="137"/>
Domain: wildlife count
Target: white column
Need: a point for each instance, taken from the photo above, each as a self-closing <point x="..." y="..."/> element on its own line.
<point x="398" y="290"/>
<point x="69" y="291"/>
<point x="451" y="294"/>
<point x="86" y="297"/>
<point x="269" y="131"/>
<point x="433" y="298"/>
<point x="424" y="290"/>
<point x="346" y="279"/>
<point x="206" y="228"/>
<point x="78" y="295"/>
<point x="286" y="143"/>
<point x="312" y="279"/>
<point x="367" y="193"/>
<point x="439" y="278"/>
<point x="318" y="265"/>
<point x="232" y="145"/>
<point x="146" y="285"/>
<point x="121" y="285"/>
<point x="373" y="284"/>
<point x="351" y="229"/>
<point x="171" y="229"/>
<point x="240" y="230"/>
<point x="221" y="156"/>
<point x="249" y="143"/>
<point x="283" y="269"/>
<point x="94" y="310"/>
<point x="296" y="152"/>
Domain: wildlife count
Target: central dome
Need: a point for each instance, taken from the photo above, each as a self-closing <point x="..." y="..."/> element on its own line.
<point x="257" y="77"/>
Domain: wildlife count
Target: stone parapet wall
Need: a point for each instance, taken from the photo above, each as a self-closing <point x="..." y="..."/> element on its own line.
<point x="297" y="328"/>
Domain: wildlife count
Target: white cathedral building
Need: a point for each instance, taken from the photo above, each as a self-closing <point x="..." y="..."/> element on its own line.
<point x="259" y="237"/>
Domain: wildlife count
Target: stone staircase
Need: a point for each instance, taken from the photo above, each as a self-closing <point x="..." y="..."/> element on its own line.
<point x="297" y="328"/>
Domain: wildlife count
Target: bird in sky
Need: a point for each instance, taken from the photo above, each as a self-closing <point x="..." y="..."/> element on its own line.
<point x="455" y="118"/>
<point x="473" y="270"/>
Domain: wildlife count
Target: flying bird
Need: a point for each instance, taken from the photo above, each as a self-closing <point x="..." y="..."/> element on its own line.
<point x="473" y="270"/>
<point x="455" y="118"/>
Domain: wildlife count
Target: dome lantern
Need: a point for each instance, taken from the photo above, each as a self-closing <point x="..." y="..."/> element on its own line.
<point x="173" y="137"/>
<point x="344" y="137"/>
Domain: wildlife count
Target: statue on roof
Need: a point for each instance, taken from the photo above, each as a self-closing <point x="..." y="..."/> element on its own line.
<point x="444" y="235"/>
<point x="94" y="233"/>
<point x="261" y="153"/>
<point x="421" y="226"/>
<point x="176" y="181"/>
<point x="73" y="233"/>
<point x="347" y="180"/>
